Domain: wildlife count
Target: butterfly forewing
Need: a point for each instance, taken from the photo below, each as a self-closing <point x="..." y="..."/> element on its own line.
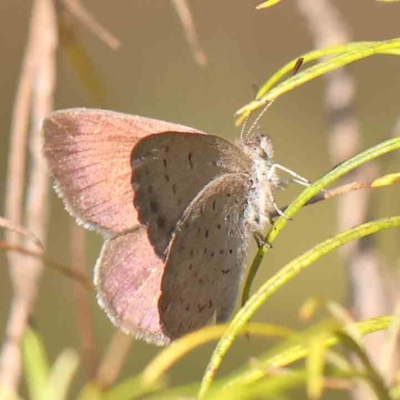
<point x="88" y="153"/>
<point x="206" y="255"/>
<point x="170" y="169"/>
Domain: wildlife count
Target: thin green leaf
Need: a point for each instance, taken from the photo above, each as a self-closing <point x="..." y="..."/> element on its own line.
<point x="315" y="366"/>
<point x="91" y="391"/>
<point x="307" y="59"/>
<point x="391" y="347"/>
<point x="165" y="359"/>
<point x="61" y="376"/>
<point x="267" y="4"/>
<point x="296" y="348"/>
<point x="80" y="61"/>
<point x="7" y="395"/>
<point x="346" y="54"/>
<point x="373" y="377"/>
<point x="386" y="180"/>
<point x="153" y="377"/>
<point x="36" y="365"/>
<point x="274" y="385"/>
<point x="283" y="276"/>
<point x="132" y="389"/>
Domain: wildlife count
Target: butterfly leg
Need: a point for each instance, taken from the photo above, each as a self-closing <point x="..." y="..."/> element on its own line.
<point x="261" y="242"/>
<point x="296" y="178"/>
<point x="277" y="209"/>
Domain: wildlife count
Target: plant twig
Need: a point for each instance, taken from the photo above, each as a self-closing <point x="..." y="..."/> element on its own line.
<point x="82" y="307"/>
<point x="64" y="270"/>
<point x="350" y="187"/>
<point x="5" y="223"/>
<point x="34" y="96"/>
<point x="113" y="360"/>
<point x="185" y="15"/>
<point x="76" y="9"/>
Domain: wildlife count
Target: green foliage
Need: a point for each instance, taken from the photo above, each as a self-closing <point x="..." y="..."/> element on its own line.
<point x="339" y="56"/>
<point x="43" y="381"/>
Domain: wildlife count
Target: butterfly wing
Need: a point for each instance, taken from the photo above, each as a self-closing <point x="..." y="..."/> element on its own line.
<point x="170" y="169"/>
<point x="88" y="153"/>
<point x="128" y="278"/>
<point x="206" y="255"/>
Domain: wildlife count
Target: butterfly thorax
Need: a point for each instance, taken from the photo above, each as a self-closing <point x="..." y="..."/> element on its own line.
<point x="260" y="205"/>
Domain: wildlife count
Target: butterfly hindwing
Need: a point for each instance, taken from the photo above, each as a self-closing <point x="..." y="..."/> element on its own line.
<point x="206" y="255"/>
<point x="128" y="277"/>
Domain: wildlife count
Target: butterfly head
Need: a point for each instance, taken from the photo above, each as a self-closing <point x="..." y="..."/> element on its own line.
<point x="261" y="146"/>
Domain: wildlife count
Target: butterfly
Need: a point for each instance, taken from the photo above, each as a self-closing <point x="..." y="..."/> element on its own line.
<point x="176" y="208"/>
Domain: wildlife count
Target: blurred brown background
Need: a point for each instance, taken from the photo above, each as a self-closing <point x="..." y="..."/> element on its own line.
<point x="155" y="75"/>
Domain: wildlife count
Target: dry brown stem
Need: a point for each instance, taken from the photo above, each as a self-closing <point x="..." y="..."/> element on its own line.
<point x="185" y="15"/>
<point x="34" y="100"/>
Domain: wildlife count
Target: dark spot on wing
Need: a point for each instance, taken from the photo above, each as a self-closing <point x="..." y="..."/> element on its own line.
<point x="225" y="271"/>
<point x="153" y="206"/>
<point x="200" y="308"/>
<point x="161" y="222"/>
<point x="166" y="177"/>
<point x="165" y="163"/>
<point x="190" y="157"/>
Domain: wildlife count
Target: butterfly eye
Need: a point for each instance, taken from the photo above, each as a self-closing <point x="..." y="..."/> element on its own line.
<point x="266" y="146"/>
<point x="261" y="153"/>
<point x="257" y="149"/>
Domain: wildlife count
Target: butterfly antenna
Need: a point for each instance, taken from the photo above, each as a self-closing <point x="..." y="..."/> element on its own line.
<point x="256" y="121"/>
<point x="298" y="64"/>
<point x="242" y="131"/>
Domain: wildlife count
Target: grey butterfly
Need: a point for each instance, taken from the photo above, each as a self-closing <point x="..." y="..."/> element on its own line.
<point x="177" y="209"/>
